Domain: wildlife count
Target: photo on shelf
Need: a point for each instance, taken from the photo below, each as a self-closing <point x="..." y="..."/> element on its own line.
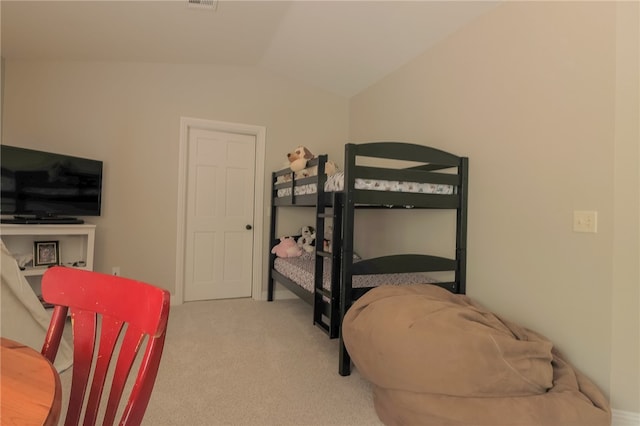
<point x="45" y="253"/>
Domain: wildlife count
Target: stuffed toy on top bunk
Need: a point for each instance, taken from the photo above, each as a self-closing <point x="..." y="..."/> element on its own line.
<point x="297" y="162"/>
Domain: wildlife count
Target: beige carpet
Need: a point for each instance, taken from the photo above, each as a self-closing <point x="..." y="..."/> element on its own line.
<point x="242" y="362"/>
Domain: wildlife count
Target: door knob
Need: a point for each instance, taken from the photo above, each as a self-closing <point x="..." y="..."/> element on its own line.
<point x="248" y="227"/>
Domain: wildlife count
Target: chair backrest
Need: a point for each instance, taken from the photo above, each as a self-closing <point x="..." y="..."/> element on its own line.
<point x="102" y="308"/>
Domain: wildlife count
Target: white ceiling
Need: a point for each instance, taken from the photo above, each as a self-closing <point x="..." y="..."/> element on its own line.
<point x="341" y="46"/>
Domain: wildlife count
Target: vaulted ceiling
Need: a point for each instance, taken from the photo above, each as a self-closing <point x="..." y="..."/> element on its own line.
<point x="341" y="46"/>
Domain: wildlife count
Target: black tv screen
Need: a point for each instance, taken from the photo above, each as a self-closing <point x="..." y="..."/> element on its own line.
<point x="48" y="185"/>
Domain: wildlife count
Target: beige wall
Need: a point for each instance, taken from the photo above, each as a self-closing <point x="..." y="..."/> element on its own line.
<point x="530" y="93"/>
<point x="128" y="115"/>
<point x="534" y="93"/>
<point x="625" y="349"/>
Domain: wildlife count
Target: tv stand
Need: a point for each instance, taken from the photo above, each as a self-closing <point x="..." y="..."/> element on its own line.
<point x="75" y="243"/>
<point x="35" y="220"/>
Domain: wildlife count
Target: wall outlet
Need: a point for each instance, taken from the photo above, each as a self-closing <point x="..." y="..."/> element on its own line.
<point x="115" y="270"/>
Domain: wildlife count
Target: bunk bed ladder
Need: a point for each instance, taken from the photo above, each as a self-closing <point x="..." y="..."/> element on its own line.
<point x="272" y="238"/>
<point x="326" y="301"/>
<point x="461" y="227"/>
<point x="347" y="203"/>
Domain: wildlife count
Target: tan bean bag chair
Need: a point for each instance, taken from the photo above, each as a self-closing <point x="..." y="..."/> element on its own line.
<point x="437" y="358"/>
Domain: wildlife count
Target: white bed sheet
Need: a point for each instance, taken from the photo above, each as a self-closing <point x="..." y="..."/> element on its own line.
<point x="335" y="183"/>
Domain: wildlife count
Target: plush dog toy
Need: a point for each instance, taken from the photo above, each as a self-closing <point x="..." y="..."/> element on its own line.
<point x="287" y="247"/>
<point x="308" y="231"/>
<point x="299" y="157"/>
<point x="307" y="239"/>
<point x="298" y="163"/>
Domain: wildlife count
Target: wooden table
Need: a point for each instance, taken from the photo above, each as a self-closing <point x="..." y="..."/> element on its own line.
<point x="30" y="391"/>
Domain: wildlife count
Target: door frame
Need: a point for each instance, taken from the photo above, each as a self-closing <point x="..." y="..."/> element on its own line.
<point x="186" y="124"/>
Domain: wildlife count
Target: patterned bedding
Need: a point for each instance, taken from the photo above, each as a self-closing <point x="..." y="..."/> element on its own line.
<point x="335" y="183"/>
<point x="301" y="269"/>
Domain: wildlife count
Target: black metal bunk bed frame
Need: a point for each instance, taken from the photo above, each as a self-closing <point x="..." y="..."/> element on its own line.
<point x="330" y="306"/>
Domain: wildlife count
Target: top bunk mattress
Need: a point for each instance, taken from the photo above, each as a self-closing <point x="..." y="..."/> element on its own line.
<point x="335" y="183"/>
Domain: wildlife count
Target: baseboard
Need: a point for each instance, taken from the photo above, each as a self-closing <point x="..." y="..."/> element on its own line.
<point x="624" y="418"/>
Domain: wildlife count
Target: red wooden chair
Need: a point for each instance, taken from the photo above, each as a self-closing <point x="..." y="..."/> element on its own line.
<point x="101" y="305"/>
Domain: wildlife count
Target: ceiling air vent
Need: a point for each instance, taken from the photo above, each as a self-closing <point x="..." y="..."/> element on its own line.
<point x="203" y="4"/>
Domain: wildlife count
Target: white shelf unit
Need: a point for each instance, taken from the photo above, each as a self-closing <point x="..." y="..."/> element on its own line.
<point x="75" y="245"/>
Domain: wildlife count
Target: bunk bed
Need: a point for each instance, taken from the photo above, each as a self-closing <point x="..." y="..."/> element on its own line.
<point x="434" y="180"/>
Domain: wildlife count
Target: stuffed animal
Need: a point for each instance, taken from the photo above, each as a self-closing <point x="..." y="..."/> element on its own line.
<point x="299" y="157"/>
<point x="298" y="163"/>
<point x="287" y="247"/>
<point x="308" y="231"/>
<point x="326" y="241"/>
<point x="307" y="239"/>
<point x="330" y="168"/>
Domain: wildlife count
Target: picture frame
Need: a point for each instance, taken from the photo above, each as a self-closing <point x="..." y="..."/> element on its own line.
<point x="46" y="253"/>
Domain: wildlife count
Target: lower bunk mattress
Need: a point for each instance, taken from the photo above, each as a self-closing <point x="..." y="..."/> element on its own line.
<point x="301" y="271"/>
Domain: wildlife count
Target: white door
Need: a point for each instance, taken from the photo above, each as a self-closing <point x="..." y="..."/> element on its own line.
<point x="219" y="215"/>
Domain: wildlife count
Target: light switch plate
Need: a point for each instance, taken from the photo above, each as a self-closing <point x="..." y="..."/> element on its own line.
<point x="585" y="221"/>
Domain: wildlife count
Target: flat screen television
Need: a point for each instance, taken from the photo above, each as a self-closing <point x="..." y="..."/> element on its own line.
<point x="44" y="187"/>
